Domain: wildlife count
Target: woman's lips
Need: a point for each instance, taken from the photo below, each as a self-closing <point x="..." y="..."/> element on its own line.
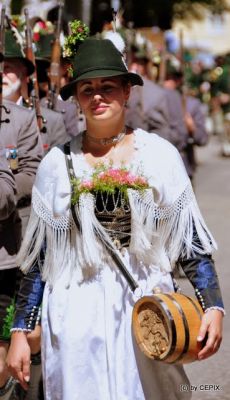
<point x="100" y="108"/>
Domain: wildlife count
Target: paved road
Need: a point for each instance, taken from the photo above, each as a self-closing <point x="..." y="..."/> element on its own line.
<point x="212" y="187"/>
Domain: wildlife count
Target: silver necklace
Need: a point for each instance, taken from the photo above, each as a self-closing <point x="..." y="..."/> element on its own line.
<point x="106" y="141"/>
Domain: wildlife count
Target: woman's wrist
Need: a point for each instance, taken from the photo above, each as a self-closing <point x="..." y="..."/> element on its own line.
<point x="216" y="308"/>
<point x="19" y="333"/>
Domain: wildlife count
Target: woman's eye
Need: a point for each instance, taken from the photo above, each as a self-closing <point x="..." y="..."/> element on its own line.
<point x="107" y="89"/>
<point x="88" y="91"/>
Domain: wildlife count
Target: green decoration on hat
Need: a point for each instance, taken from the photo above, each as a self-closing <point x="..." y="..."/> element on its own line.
<point x="98" y="58"/>
<point x="14" y="50"/>
<point x="79" y="32"/>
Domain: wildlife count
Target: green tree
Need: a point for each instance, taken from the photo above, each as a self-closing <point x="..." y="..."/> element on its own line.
<point x="184" y="9"/>
<point x="163" y="12"/>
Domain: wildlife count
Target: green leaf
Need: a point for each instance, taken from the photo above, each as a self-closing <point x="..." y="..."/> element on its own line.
<point x="8" y="320"/>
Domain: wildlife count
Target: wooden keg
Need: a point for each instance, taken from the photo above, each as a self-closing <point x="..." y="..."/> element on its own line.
<point x="166" y="327"/>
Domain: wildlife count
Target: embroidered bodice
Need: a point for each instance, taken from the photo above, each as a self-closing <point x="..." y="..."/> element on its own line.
<point x="114" y="214"/>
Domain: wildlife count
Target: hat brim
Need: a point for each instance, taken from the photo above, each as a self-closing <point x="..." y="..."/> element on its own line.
<point x="42" y="62"/>
<point x="29" y="65"/>
<point x="69" y="89"/>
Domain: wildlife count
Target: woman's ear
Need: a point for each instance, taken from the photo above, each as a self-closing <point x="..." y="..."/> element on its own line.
<point x="127" y="91"/>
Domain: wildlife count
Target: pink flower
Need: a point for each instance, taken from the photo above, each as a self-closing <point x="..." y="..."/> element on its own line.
<point x="140" y="180"/>
<point x="86" y="185"/>
<point x="101" y="174"/>
<point x="131" y="180"/>
<point x="119" y="177"/>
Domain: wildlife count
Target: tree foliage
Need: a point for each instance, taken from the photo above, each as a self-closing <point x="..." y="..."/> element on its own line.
<point x="185" y="9"/>
<point x="162" y="13"/>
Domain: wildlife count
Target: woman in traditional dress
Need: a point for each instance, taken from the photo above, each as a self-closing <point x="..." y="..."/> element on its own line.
<point x="111" y="190"/>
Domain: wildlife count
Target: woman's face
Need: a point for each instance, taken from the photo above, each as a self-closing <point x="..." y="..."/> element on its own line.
<point x="102" y="99"/>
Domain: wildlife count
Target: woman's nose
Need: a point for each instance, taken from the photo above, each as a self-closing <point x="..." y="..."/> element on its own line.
<point x="97" y="96"/>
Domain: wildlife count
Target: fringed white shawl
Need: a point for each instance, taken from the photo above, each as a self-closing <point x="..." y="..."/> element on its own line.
<point x="163" y="217"/>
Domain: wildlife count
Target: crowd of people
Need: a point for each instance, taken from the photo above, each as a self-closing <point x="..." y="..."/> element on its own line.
<point x="107" y="123"/>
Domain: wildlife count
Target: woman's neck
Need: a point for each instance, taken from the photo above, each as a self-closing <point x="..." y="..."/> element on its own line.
<point x="105" y="129"/>
<point x="117" y="153"/>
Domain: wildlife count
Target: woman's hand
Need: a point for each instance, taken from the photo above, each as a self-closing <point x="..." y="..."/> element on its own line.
<point x="18" y="358"/>
<point x="211" y="326"/>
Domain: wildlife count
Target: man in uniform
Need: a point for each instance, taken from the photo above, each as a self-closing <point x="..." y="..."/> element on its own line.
<point x="16" y="72"/>
<point x="69" y="110"/>
<point x="155" y="109"/>
<point x="194" y="119"/>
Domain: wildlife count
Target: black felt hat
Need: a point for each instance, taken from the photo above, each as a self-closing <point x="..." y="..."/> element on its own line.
<point x="98" y="58"/>
<point x="13" y="50"/>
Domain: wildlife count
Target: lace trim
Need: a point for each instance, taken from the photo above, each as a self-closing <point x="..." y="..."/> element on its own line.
<point x="60" y="223"/>
<point x="180" y="204"/>
<point x="166" y="212"/>
<point x="216" y="308"/>
<point x="26" y="330"/>
<point x="159" y="213"/>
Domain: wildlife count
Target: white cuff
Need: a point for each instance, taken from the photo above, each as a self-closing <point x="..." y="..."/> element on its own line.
<point x="216" y="308"/>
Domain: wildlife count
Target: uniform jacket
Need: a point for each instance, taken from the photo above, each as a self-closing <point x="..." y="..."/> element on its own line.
<point x="147" y="109"/>
<point x="155" y="109"/>
<point x="55" y="128"/>
<point x="7" y="189"/>
<point x="194" y="107"/>
<point x="22" y="133"/>
<point x="68" y="111"/>
<point x="199" y="136"/>
<point x="178" y="131"/>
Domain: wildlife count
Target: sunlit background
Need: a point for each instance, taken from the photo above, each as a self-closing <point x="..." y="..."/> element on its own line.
<point x="205" y="24"/>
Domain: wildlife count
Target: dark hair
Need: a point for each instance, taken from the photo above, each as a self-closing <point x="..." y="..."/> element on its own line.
<point x="125" y="80"/>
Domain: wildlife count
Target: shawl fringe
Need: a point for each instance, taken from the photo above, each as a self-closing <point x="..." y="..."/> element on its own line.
<point x="159" y="235"/>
